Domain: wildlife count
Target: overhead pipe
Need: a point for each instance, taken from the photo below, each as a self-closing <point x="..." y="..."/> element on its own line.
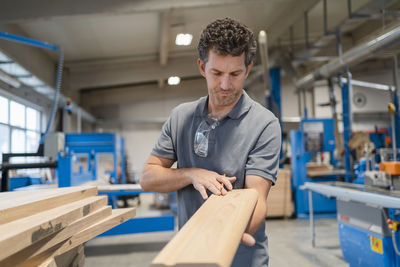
<point x="351" y="57"/>
<point x="263" y="43"/>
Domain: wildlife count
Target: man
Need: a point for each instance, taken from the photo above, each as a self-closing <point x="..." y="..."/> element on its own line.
<point x="225" y="138"/>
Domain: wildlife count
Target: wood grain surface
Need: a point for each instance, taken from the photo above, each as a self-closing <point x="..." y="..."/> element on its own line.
<point x="212" y="236"/>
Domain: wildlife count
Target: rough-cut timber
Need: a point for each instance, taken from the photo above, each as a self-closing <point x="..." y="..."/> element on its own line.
<point x="212" y="236"/>
<point x="118" y="216"/>
<point x="57" y="237"/>
<point x="16" y="205"/>
<point x="21" y="233"/>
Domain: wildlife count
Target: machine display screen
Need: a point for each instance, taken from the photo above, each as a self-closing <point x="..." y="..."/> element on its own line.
<point x="313" y="136"/>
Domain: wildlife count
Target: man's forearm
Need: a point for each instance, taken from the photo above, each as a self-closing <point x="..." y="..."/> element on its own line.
<point x="163" y="180"/>
<point x="262" y="186"/>
<point x="258" y="217"/>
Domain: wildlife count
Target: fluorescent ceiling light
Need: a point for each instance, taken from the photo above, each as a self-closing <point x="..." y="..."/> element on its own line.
<point x="44" y="89"/>
<point x="183" y="39"/>
<point x="31" y="81"/>
<point x="4" y="58"/>
<point x="14" y="69"/>
<point x="9" y="80"/>
<point x="174" y="80"/>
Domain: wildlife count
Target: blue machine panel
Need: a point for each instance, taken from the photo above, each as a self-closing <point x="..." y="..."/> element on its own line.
<point x="90" y="147"/>
<point x="314" y="136"/>
<point x="143" y="225"/>
<point x="362" y="248"/>
<point x="16" y="182"/>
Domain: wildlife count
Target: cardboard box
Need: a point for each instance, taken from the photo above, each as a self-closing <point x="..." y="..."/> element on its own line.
<point x="279" y="202"/>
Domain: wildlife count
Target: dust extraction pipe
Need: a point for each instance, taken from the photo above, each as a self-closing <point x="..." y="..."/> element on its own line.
<point x="351" y="57"/>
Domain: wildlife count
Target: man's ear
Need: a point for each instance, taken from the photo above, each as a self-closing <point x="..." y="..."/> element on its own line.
<point x="202" y="66"/>
<point x="249" y="68"/>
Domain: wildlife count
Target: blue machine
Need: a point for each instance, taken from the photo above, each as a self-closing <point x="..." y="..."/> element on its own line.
<point x="368" y="221"/>
<point x="82" y="156"/>
<point x="315" y="137"/>
<point x="100" y="156"/>
<point x="363" y="247"/>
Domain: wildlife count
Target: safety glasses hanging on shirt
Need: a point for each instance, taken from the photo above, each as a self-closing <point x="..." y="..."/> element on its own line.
<point x="201" y="138"/>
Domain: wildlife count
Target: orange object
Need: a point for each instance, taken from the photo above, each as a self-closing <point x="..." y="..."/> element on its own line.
<point x="388" y="140"/>
<point x="390" y="167"/>
<point x="222" y="184"/>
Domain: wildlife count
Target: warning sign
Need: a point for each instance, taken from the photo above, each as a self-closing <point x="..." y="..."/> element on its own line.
<point x="376" y="244"/>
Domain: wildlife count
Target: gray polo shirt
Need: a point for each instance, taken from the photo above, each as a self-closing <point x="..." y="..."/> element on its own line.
<point x="246" y="141"/>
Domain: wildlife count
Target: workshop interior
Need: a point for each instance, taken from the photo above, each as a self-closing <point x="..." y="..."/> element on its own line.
<point x="86" y="86"/>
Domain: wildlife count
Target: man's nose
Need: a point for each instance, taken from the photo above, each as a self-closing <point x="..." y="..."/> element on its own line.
<point x="225" y="82"/>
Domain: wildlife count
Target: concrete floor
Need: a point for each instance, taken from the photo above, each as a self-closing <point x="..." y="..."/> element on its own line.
<point x="289" y="245"/>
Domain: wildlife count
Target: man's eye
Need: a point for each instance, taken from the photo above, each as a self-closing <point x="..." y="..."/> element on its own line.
<point x="217" y="74"/>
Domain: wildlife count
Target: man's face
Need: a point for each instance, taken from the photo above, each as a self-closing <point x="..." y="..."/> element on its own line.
<point x="225" y="77"/>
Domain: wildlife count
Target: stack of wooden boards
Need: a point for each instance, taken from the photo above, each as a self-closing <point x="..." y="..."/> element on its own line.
<point x="47" y="227"/>
<point x="212" y="235"/>
<point x="279" y="202"/>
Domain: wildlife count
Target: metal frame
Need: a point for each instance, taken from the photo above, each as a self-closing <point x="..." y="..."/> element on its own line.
<point x="347" y="96"/>
<point x="347" y="194"/>
<point x="395" y="99"/>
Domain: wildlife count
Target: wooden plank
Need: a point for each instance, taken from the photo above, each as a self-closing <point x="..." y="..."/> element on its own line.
<point x="21" y="233"/>
<point x="79" y="260"/>
<point x="212" y="236"/>
<point x="34" y="187"/>
<point x="55" y="238"/>
<point x="119" y="187"/>
<point x="51" y="262"/>
<point x="72" y="258"/>
<point x="318" y="173"/>
<point x="16" y="205"/>
<point x="65" y="259"/>
<point x="118" y="216"/>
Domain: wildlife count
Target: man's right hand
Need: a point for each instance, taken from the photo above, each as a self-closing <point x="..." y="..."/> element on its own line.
<point x="203" y="179"/>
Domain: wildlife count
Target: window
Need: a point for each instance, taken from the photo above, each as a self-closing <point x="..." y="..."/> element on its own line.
<point x="3" y="109"/>
<point x="20" y="127"/>
<point x="17" y="114"/>
<point x="32" y="119"/>
<point x="4" y="139"/>
<point x="17" y="141"/>
<point x="32" y="141"/>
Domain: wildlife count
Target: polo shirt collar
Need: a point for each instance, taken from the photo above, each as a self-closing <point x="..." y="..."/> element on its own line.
<point x="241" y="107"/>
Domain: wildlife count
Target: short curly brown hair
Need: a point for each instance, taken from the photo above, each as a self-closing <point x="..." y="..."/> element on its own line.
<point x="227" y="37"/>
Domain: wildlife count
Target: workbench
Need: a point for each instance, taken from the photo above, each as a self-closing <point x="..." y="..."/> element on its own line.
<point x="363" y="212"/>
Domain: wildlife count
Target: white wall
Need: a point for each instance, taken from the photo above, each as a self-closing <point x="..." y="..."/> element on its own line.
<point x="377" y="100"/>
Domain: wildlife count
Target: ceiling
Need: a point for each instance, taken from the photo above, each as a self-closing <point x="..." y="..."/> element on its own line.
<point x="111" y="44"/>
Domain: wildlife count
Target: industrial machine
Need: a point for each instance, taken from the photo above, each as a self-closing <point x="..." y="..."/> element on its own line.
<point x="91" y="157"/>
<point x="368" y="211"/>
<point x="368" y="221"/>
<point x="313" y="160"/>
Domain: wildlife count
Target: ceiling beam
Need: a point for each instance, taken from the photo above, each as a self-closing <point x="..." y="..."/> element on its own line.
<point x="21" y="10"/>
<point x="140" y="93"/>
<point x="291" y="16"/>
<point x="165" y="21"/>
<point x="92" y="75"/>
<point x="33" y="59"/>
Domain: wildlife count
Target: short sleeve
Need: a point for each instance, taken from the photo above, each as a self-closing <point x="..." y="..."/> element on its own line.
<point x="165" y="145"/>
<point x="263" y="159"/>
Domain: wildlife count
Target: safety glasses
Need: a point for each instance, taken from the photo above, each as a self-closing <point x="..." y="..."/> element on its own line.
<point x="201" y="137"/>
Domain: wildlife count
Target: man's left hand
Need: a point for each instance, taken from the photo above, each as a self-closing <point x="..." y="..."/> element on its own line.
<point x="248" y="239"/>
